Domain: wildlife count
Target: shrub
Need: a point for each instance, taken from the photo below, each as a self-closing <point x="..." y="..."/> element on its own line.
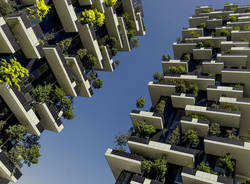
<point x="243" y="39"/>
<point x="117" y="62"/>
<point x="194" y="34"/>
<point x="191" y="138"/>
<point x="203" y="25"/>
<point x="177" y="70"/>
<point x="134" y="42"/>
<point x="247" y="27"/>
<point x="208" y="43"/>
<point x="7" y="8"/>
<point x="92" y="17"/>
<point x="212" y="75"/>
<point x="180" y="87"/>
<point x="140" y="103"/>
<point x="46" y="39"/>
<point x="110" y="2"/>
<point x="236" y="28"/>
<point x="232" y="134"/>
<point x="81" y="53"/>
<point x="205" y="168"/>
<point x="89" y="61"/>
<point x="11" y="72"/>
<point x="187" y="56"/>
<point x="114" y="51"/>
<point x="193" y="89"/>
<point x="225" y="32"/>
<point x="238" y="86"/>
<point x="160" y="107"/>
<point x="59" y="93"/>
<point x="227" y="164"/>
<point x="214" y="129"/>
<point x="247" y="10"/>
<point x="175" y="137"/>
<point x="228" y="51"/>
<point x="196" y="116"/>
<point x="16" y="132"/>
<point x="233" y="9"/>
<point x="40" y="10"/>
<point x="158" y="76"/>
<point x="92" y="76"/>
<point x="205" y="11"/>
<point x="42" y="93"/>
<point x="64" y="44"/>
<point x="97" y="83"/>
<point x="232" y="18"/>
<point x="219" y="17"/>
<point x="228" y="106"/>
<point x="200" y="44"/>
<point x="31" y="155"/>
<point x="227" y="3"/>
<point x="164" y="57"/>
<point x="130" y="24"/>
<point x="68" y="114"/>
<point x="144" y="130"/>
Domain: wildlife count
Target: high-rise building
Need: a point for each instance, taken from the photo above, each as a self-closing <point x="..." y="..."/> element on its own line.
<point x="198" y="128"/>
<point x="49" y="53"/>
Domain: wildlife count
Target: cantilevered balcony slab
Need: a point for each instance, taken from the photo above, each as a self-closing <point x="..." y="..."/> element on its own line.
<point x="202" y="53"/>
<point x="24" y="34"/>
<point x="151" y="149"/>
<point x="242" y="9"/>
<point x="182" y="48"/>
<point x="157" y="90"/>
<point x="215" y="92"/>
<point x="119" y="161"/>
<point x="85" y="2"/>
<point x="66" y="14"/>
<point x="225" y="45"/>
<point x="242" y="51"/>
<point x="141" y="31"/>
<point x="213" y="23"/>
<point x="124" y="35"/>
<point x="8" y="42"/>
<point x="60" y="69"/>
<point x="8" y="170"/>
<point x="214" y="14"/>
<point x="244" y="19"/>
<point x="79" y="73"/>
<point x="238" y="150"/>
<point x="112" y="25"/>
<point x="180" y="100"/>
<point x="228" y="7"/>
<point x="89" y="41"/>
<point x="218" y="30"/>
<point x="199" y="9"/>
<point x="238" y="24"/>
<point x="167" y="64"/>
<point x="244" y="107"/>
<point x="21" y="108"/>
<point x="150" y="118"/>
<point x="196" y="21"/>
<point x="128" y="7"/>
<point x="239" y="35"/>
<point x="216" y="40"/>
<point x="202" y="81"/>
<point x="223" y="117"/>
<point x="201" y="126"/>
<point x="50" y="117"/>
<point x="191" y="176"/>
<point x="233" y="60"/>
<point x="239" y="14"/>
<point x="187" y="31"/>
<point x="212" y="67"/>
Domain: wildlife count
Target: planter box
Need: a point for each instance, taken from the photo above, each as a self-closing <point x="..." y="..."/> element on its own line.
<point x="201" y="126"/>
<point x="170" y="63"/>
<point x="233" y="60"/>
<point x="213" y="23"/>
<point x="215" y="92"/>
<point x="225" y="45"/>
<point x="214" y="67"/>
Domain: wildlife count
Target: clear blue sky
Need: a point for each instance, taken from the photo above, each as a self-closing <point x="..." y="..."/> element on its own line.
<point x="76" y="156"/>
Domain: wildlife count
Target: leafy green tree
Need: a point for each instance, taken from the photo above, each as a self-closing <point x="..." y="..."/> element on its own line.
<point x="117" y="62"/>
<point x="177" y="69"/>
<point x="181" y="87"/>
<point x="144" y="130"/>
<point x="68" y="113"/>
<point x="208" y="43"/>
<point x="175" y="137"/>
<point x="214" y="129"/>
<point x="40" y="10"/>
<point x="65" y="44"/>
<point x="31" y="155"/>
<point x="8" y="7"/>
<point x="92" y="17"/>
<point x="110" y="2"/>
<point x="140" y="103"/>
<point x="160" y="107"/>
<point x="225" y="32"/>
<point x="81" y="53"/>
<point x="164" y="57"/>
<point x="42" y="93"/>
<point x="16" y="132"/>
<point x="89" y="61"/>
<point x="121" y="141"/>
<point x="194" y="34"/>
<point x="193" y="89"/>
<point x="187" y="56"/>
<point x="232" y="18"/>
<point x="92" y="76"/>
<point x="191" y="138"/>
<point x="158" y="77"/>
<point x="59" y="94"/>
<point x="97" y="83"/>
<point x="227" y="164"/>
<point x="205" y="168"/>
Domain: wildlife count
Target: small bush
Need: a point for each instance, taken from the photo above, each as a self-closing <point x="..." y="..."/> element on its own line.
<point x="158" y="76"/>
<point x="144" y="130"/>
<point x="205" y="168"/>
<point x="208" y="43"/>
<point x="16" y="132"/>
<point x="232" y="18"/>
<point x="110" y="2"/>
<point x="89" y="61"/>
<point x="92" y="76"/>
<point x="187" y="56"/>
<point x="191" y="138"/>
<point x="160" y="107"/>
<point x="175" y="137"/>
<point x="140" y="103"/>
<point x="203" y="25"/>
<point x="194" y="34"/>
<point x="228" y="51"/>
<point x="214" y="129"/>
<point x="247" y="27"/>
<point x="243" y="39"/>
<point x="234" y="9"/>
<point x="64" y="44"/>
<point x="206" y="11"/>
<point x="68" y="114"/>
<point x="225" y="32"/>
<point x="97" y="84"/>
<point x="237" y="28"/>
<point x="247" y="10"/>
<point x="117" y="62"/>
<point x="177" y="70"/>
<point x="7" y="8"/>
<point x="81" y="53"/>
<point x="42" y="93"/>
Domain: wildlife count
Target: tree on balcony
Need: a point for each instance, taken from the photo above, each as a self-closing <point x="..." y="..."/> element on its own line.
<point x="158" y="77"/>
<point x="42" y="93"/>
<point x="65" y="44"/>
<point x="89" y="61"/>
<point x="214" y="129"/>
<point x="166" y="58"/>
<point x="232" y="18"/>
<point x="191" y="138"/>
<point x="140" y="103"/>
<point x="175" y="137"/>
<point x="97" y="83"/>
<point x="40" y="9"/>
<point x="92" y="17"/>
<point x="11" y="72"/>
<point x="160" y="107"/>
<point x="110" y="2"/>
<point x="117" y="62"/>
<point x="16" y="132"/>
<point x="227" y="164"/>
<point x="7" y="7"/>
<point x="130" y="25"/>
<point x="177" y="69"/>
<point x="225" y="32"/>
<point x="194" y="34"/>
<point x="205" y="168"/>
<point x="144" y="130"/>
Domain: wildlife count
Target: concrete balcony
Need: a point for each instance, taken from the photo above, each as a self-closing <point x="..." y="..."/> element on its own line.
<point x="150" y="118"/>
<point x="141" y="31"/>
<point x="238" y="61"/>
<point x="129" y="8"/>
<point x="8" y="170"/>
<point x="85" y="2"/>
<point x="191" y="176"/>
<point x="119" y="161"/>
<point x="202" y="81"/>
<point x="214" y="14"/>
<point x="124" y="35"/>
<point x="112" y="25"/>
<point x="177" y="155"/>
<point x="216" y="40"/>
<point x="196" y="21"/>
<point x="21" y="108"/>
<point x="50" y="117"/>
<point x="239" y="14"/>
<point x="89" y="41"/>
<point x="242" y="9"/>
<point x="25" y="36"/>
<point x="182" y="48"/>
<point x="238" y="35"/>
<point x="242" y="51"/>
<point x="213" y="23"/>
<point x="209" y="67"/>
<point x="225" y="45"/>
<point x="238" y="24"/>
<point x="228" y="7"/>
<point x="108" y="63"/>
<point x="180" y="100"/>
<point x="215" y="92"/>
<point x="167" y="64"/>
<point x="201" y="126"/>
<point x="78" y="72"/>
<point x="199" y="9"/>
<point x="223" y="117"/>
<point x="218" y="30"/>
<point x="202" y="53"/>
<point x="157" y="90"/>
<point x="244" y="19"/>
<point x="66" y="14"/>
<point x="60" y="69"/>
<point x="244" y="107"/>
<point x="8" y="42"/>
<point x="187" y="31"/>
<point x="239" y="150"/>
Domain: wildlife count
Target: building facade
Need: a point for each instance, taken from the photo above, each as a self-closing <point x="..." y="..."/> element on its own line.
<point x="197" y="130"/>
<point x="50" y="51"/>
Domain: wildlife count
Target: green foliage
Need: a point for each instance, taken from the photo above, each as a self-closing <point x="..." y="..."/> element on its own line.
<point x="196" y="116"/>
<point x="92" y="17"/>
<point x="2" y="124"/>
<point x="203" y="25"/>
<point x="228" y="51"/>
<point x="227" y="3"/>
<point x="31" y="155"/>
<point x="89" y="61"/>
<point x="46" y="39"/>
<point x="114" y="51"/>
<point x="243" y="39"/>
<point x="193" y="89"/>
<point x="247" y="27"/>
<point x="64" y="44"/>
<point x="59" y="94"/>
<point x="81" y="53"/>
<point x="144" y="130"/>
<point x="194" y="34"/>
<point x="166" y="58"/>
<point x="134" y="42"/>
<point x="121" y="141"/>
<point x="97" y="83"/>
<point x="247" y="181"/>
<point x="110" y="2"/>
<point x="214" y="129"/>
<point x="187" y="56"/>
<point x="238" y="86"/>
<point x="68" y="113"/>
<point x="233" y="9"/>
<point x="16" y="132"/>
<point x="212" y="75"/>
<point x="177" y="69"/>
<point x="117" y="62"/>
<point x="205" y="10"/>
<point x="42" y="93"/>
<point x="175" y="137"/>
<point x="7" y="8"/>
<point x="232" y="134"/>
<point x="227" y="164"/>
<point x="191" y="138"/>
<point x="140" y="103"/>
<point x="219" y="17"/>
<point x="236" y="28"/>
<point x="229" y="106"/>
<point x="205" y="168"/>
<point x="232" y="18"/>
<point x="160" y="107"/>
<point x="92" y="76"/>
<point x="11" y="72"/>
<point x="247" y="10"/>
<point x="158" y="76"/>
<point x="40" y="9"/>
<point x="208" y="43"/>
<point x="130" y="24"/>
<point x="225" y="32"/>
<point x="183" y="87"/>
